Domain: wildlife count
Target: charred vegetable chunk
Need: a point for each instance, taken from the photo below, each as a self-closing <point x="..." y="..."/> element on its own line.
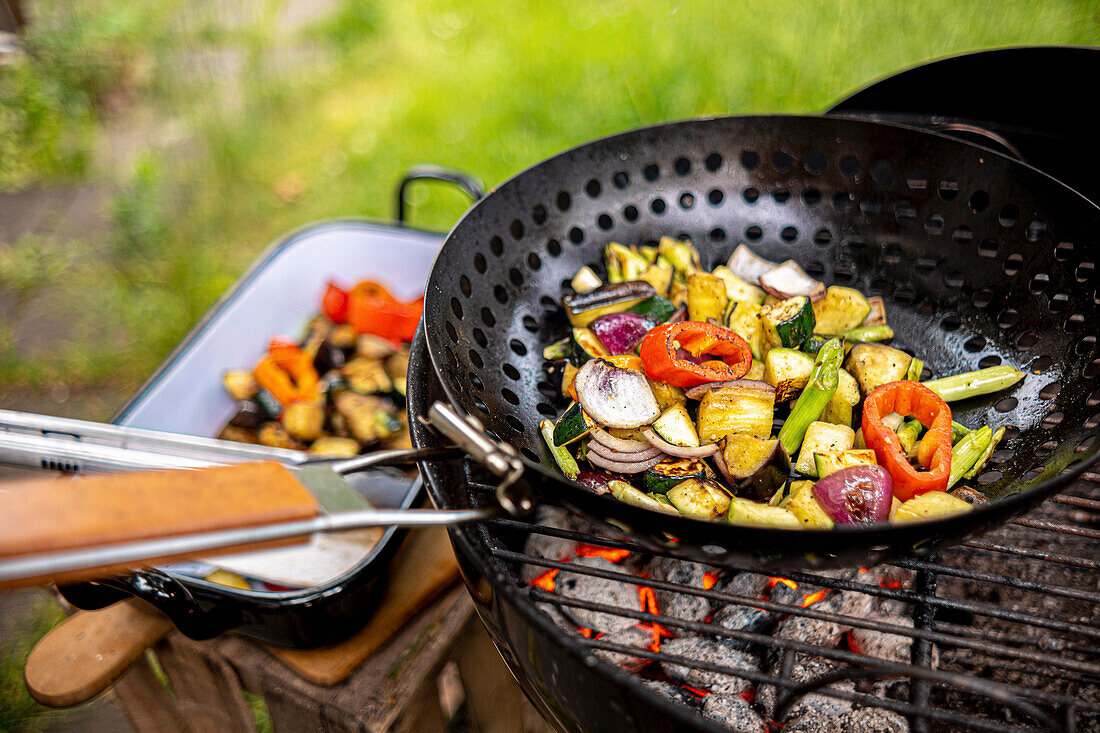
<point x="747" y="408"/>
<point x="822" y="437"/>
<point x="755" y="467"/>
<point x="931" y="505"/>
<point x="788" y="371"/>
<point x="828" y="462"/>
<point x="699" y="499"/>
<point x="583" y="308"/>
<point x="805" y="507"/>
<point x="368" y="418"/>
<point x="335" y="447"/>
<point x="874" y="365"/>
<point x="746" y="511"/>
<point x="842" y="309"/>
<point x="706" y="297"/>
<point x="304" y="420"/>
<point x="367" y="376"/>
<point x="665" y="475"/>
<point x="788" y="322"/>
<point x="274" y="435"/>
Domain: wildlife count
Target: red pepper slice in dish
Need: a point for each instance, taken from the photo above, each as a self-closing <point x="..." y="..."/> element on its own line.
<point x="717" y="354"/>
<point x="934" y="453"/>
<point x="334" y="304"/>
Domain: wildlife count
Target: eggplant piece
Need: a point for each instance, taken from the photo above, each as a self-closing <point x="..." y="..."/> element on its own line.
<point x="614" y="397"/>
<point x="706" y="297"/>
<point x="805" y="507"/>
<point x="238" y="435"/>
<point x="788" y="280"/>
<point x="267" y="402"/>
<point x="659" y="275"/>
<point x="367" y="376"/>
<point x="666" y="394"/>
<point x="744" y="320"/>
<point x="621" y="332"/>
<point x="973" y="497"/>
<point x="700" y="499"/>
<point x="788" y="371"/>
<point x="842" y="309"/>
<point x="843" y="402"/>
<point x="787" y="323"/>
<point x="737" y="290"/>
<point x="662" y="477"/>
<point x="747" y="408"/>
<point x="249" y="415"/>
<point x="583" y="308"/>
<point x="930" y="505"/>
<point x="597" y="481"/>
<point x="746" y="511"/>
<point x="877" y="314"/>
<point x="240" y="385"/>
<point x="822" y="437"/>
<point x="369" y="419"/>
<point x="874" y="365"/>
<point x="755" y="467"/>
<point x="749" y="266"/>
<point x="828" y="462"/>
<point x="328" y="357"/>
<point x="274" y="435"/>
<point x="335" y="447"/>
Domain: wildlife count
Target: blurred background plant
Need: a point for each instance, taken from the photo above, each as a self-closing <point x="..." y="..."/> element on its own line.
<point x="149" y="151"/>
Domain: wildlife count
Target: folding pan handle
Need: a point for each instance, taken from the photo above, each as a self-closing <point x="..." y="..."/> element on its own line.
<point x="466" y="183"/>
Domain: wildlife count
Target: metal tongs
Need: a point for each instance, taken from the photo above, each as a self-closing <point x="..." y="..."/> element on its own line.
<point x="77" y="446"/>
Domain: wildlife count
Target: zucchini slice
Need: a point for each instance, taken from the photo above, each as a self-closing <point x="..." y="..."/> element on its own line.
<point x="805" y="507"/>
<point x="746" y="511"/>
<point x="706" y="297"/>
<point x="737" y="290"/>
<point x="822" y="437"/>
<point x="874" y="365"/>
<point x="788" y="371"/>
<point x="665" y="475"/>
<point x="700" y="499"/>
<point x="747" y="408"/>
<point x="583" y="308"/>
<point x="659" y="308"/>
<point x="832" y="461"/>
<point x="788" y="322"/>
<point x="586" y="346"/>
<point x="676" y="426"/>
<point x="744" y="320"/>
<point x="930" y="505"/>
<point x="573" y="424"/>
<point x="843" y="401"/>
<point x="756" y="467"/>
<point x="627" y="494"/>
<point x="840" y="310"/>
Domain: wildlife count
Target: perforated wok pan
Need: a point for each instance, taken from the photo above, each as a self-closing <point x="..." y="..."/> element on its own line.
<point x="980" y="259"/>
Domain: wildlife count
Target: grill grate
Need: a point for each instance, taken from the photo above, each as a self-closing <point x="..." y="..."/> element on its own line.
<point x="1013" y="619"/>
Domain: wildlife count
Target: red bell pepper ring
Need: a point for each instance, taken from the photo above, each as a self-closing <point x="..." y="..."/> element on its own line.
<point x="730" y="356"/>
<point x="372" y="309"/>
<point x="334" y="303"/>
<point x="934" y="452"/>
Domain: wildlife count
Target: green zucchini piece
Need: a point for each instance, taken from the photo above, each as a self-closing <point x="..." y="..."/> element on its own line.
<point x="788" y="322"/>
<point x="788" y="371"/>
<point x="823" y="437"/>
<point x="585" y="280"/>
<point x="561" y="349"/>
<point x="662" y="499"/>
<point x="874" y="365"/>
<point x="627" y="494"/>
<point x="706" y="297"/>
<point x="744" y="320"/>
<point x="666" y="394"/>
<point x="676" y="426"/>
<point x="583" y="308"/>
<point x="587" y="345"/>
<point x="737" y="290"/>
<point x="665" y="475"/>
<point x="566" y="463"/>
<point x="659" y="308"/>
<point x="573" y="424"/>
<point x="747" y="408"/>
<point x="755" y="467"/>
<point x="842" y="309"/>
<point x="746" y="511"/>
<point x="832" y="461"/>
<point x="700" y="499"/>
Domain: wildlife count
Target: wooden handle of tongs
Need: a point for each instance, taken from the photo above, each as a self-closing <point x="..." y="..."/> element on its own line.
<point x="44" y="517"/>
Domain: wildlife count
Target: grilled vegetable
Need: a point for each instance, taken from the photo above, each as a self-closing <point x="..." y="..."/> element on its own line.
<point x="973" y="497"/>
<point x="934" y="452"/>
<point x="659" y="275"/>
<point x="240" y="385"/>
<point x="855" y="495"/>
<point x="268" y="404"/>
<point x="621" y="332"/>
<point x="746" y="408"/>
<point x="597" y="481"/>
<point x="874" y="365"/>
<point x="370" y="346"/>
<point x="627" y="494"/>
<point x="788" y="322"/>
<point x="681" y="255"/>
<point x="328" y="356"/>
<point x="334" y="447"/>
<point x="274" y="435"/>
<point x="869" y="334"/>
<point x="755" y="467"/>
<point x="984" y="457"/>
<point x="585" y="280"/>
<point x="249" y="415"/>
<point x="583" y="345"/>
<point x="907" y="436"/>
<point x="877" y="314"/>
<point x="846" y="397"/>
<point x="662" y="477"/>
<point x="304" y="420"/>
<point x="583" y="308"/>
<point x="788" y="280"/>
<point x="343" y="337"/>
<point x="822" y="437"/>
<point x="368" y="418"/>
<point x="618" y="398"/>
<point x="666" y="394"/>
<point x="723" y="354"/>
<point x="623" y="263"/>
<point x="749" y="266"/>
<point x="746" y="511"/>
<point x="828" y="462"/>
<point x="675" y="426"/>
<point x="699" y="499"/>
<point x="842" y="309"/>
<point x="805" y="507"/>
<point x="573" y="425"/>
<point x="744" y="320"/>
<point x="737" y="290"/>
<point x="678" y="294"/>
<point x="916" y="367"/>
<point x="820" y="388"/>
<point x="932" y="505"/>
<point x="788" y="371"/>
<point x="367" y="376"/>
<point x="966" y="453"/>
<point x="658" y="308"/>
<point x="566" y="463"/>
<point x="972" y="384"/>
<point x="706" y="297"/>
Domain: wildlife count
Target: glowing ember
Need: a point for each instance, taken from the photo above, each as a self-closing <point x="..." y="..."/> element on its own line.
<point x="588" y="634"/>
<point x="610" y="554"/>
<point x="812" y="598"/>
<point x="709" y="579"/>
<point x="546" y="580"/>
<point x="696" y="691"/>
<point x="891" y="584"/>
<point x="749" y="695"/>
<point x="772" y="582"/>
<point x="648" y="601"/>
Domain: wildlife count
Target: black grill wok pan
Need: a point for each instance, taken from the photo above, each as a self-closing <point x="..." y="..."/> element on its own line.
<point x="981" y="260"/>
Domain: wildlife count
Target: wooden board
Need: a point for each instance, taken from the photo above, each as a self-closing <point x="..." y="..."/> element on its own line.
<point x="424" y="567"/>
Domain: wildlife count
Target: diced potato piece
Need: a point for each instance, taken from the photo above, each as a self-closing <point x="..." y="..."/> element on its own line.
<point x="930" y="505"/>
<point x="822" y="437"/>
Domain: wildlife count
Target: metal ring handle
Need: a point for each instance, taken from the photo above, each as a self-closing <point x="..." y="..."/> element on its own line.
<point x="469" y="185"/>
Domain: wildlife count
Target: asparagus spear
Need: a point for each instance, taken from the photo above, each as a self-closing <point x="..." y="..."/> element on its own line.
<point x="869" y="333"/>
<point x="561" y="454"/>
<point x="815" y="396"/>
<point x="908" y="433"/>
<point x="984" y="457"/>
<point x="967" y="452"/>
<point x="916" y="366"/>
<point x="957" y="431"/>
<point x="971" y="384"/>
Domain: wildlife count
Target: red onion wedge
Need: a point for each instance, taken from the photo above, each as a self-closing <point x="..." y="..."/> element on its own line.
<point x="699" y="392"/>
<point x="720" y="464"/>
<point x="596" y="480"/>
<point x="856" y="495"/>
<point x="623" y="445"/>
<point x="747" y="265"/>
<point x="679" y="451"/>
<point x="621" y="456"/>
<point x="621" y="332"/>
<point x="788" y="280"/>
<point x="614" y="466"/>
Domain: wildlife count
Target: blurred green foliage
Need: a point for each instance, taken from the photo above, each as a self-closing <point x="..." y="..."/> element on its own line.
<point x="18" y="712"/>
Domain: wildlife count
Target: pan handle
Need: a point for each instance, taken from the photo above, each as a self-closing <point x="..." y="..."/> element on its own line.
<point x="469" y="185"/>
